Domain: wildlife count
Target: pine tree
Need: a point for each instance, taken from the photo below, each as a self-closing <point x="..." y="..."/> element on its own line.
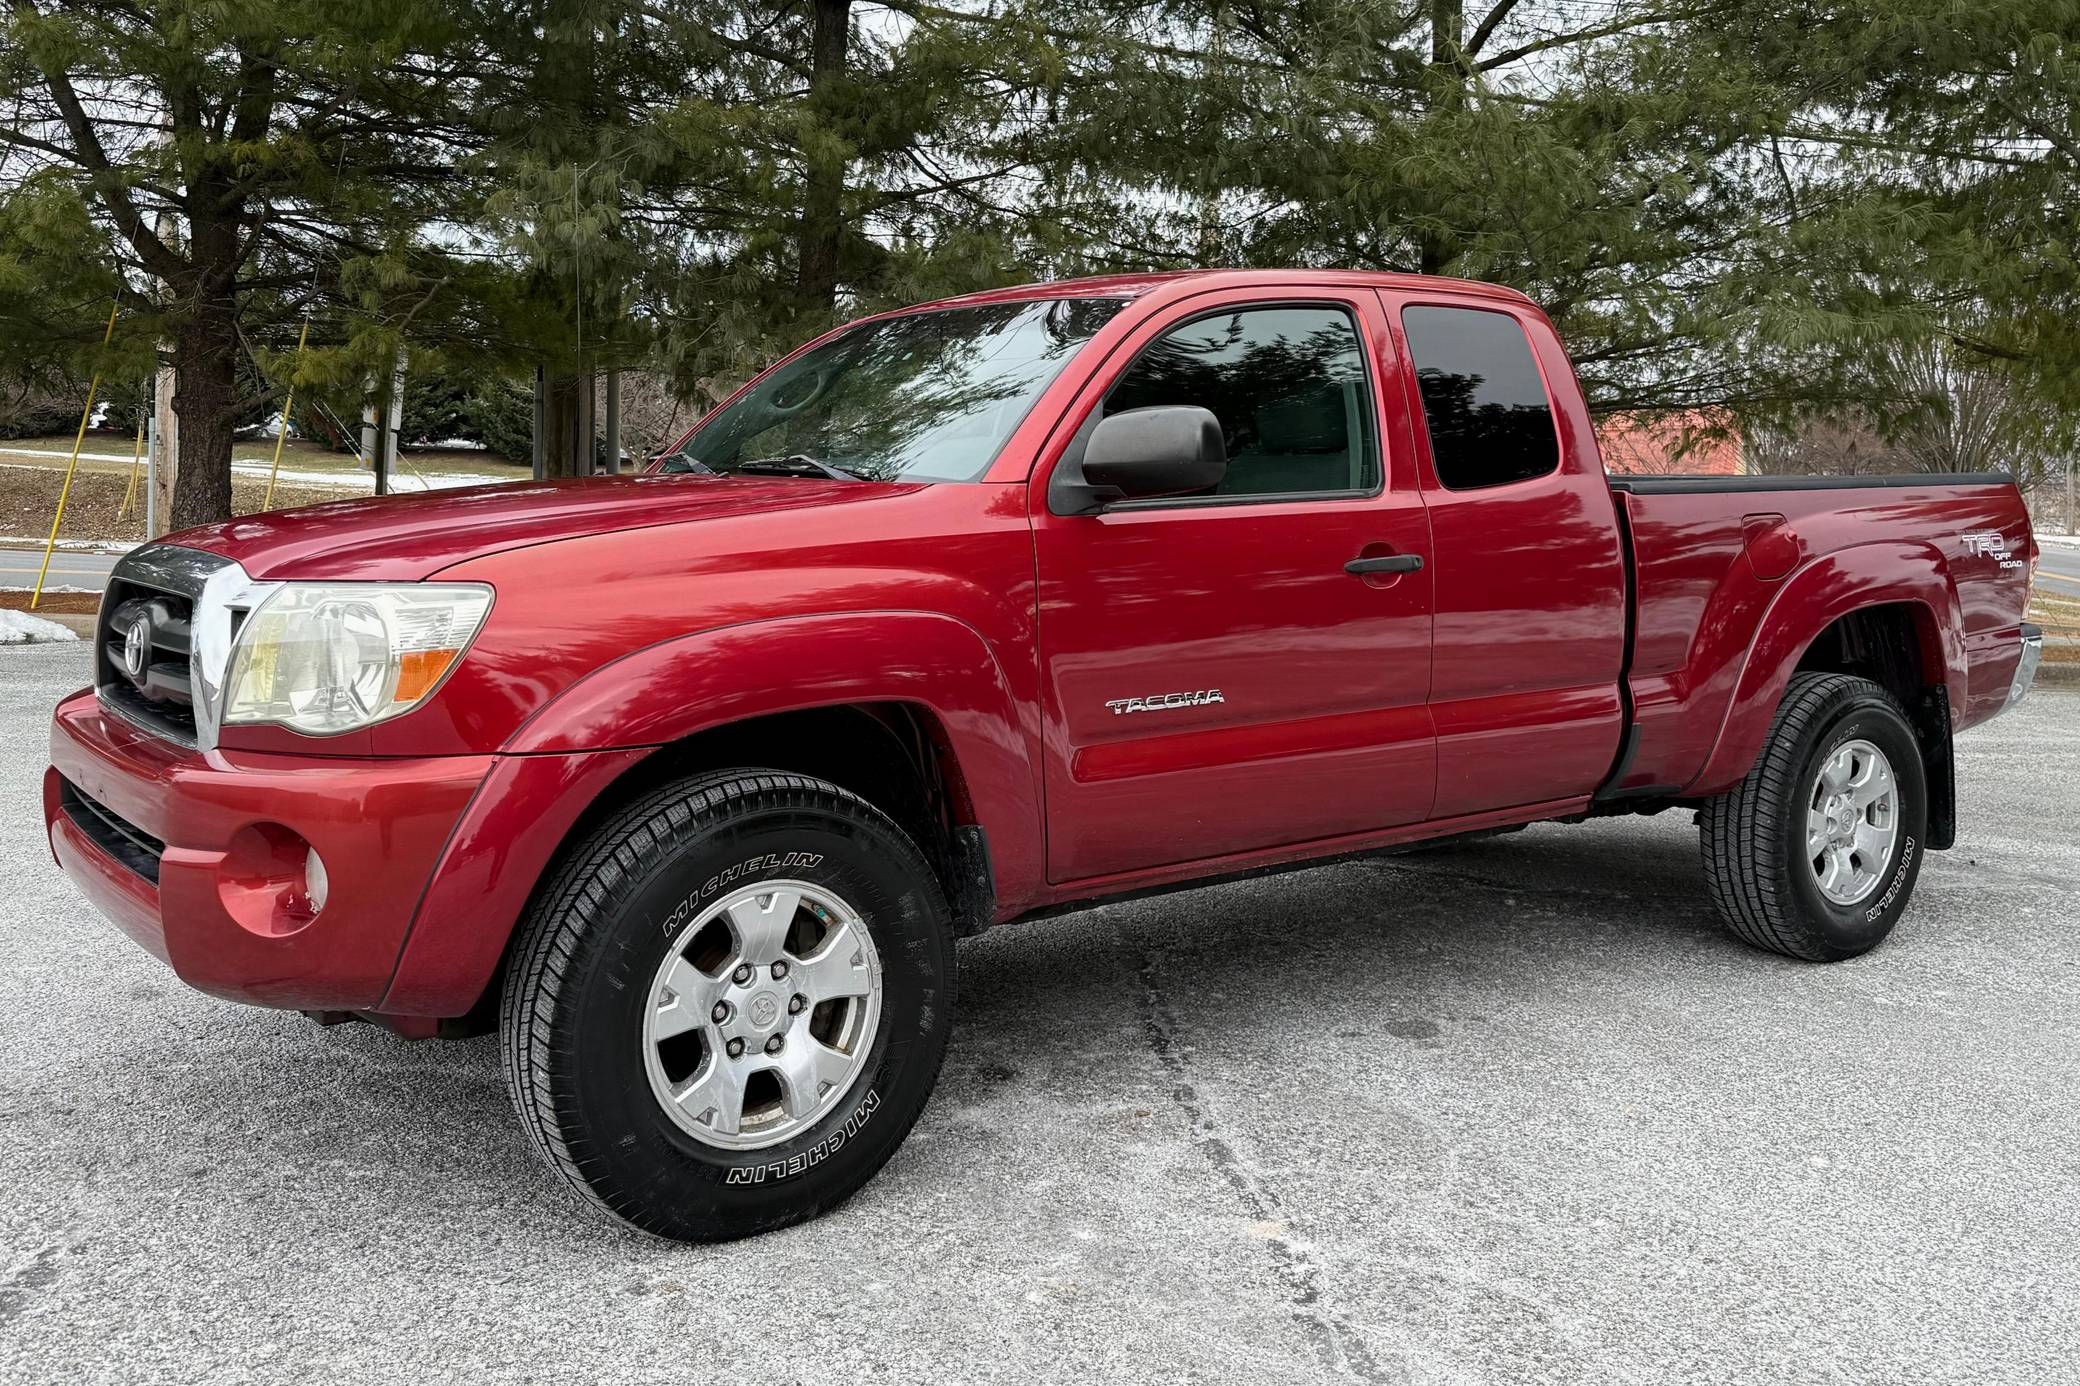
<point x="223" y="170"/>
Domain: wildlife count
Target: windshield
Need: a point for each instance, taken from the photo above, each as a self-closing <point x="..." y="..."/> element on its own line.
<point x="920" y="397"/>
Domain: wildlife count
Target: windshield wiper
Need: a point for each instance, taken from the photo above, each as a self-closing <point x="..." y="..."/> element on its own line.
<point x="795" y="464"/>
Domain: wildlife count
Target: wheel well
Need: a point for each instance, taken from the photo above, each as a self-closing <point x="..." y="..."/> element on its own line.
<point x="894" y="755"/>
<point x="1884" y="644"/>
<point x="1896" y="647"/>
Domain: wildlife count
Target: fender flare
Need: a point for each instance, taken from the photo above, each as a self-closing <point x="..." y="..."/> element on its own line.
<point x="1812" y="599"/>
<point x="573" y="749"/>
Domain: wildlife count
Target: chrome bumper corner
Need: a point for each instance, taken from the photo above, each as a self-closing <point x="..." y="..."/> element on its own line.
<point x="2026" y="665"/>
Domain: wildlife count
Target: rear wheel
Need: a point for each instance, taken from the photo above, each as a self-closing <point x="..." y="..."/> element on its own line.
<point x="1815" y="853"/>
<point x="730" y="1004"/>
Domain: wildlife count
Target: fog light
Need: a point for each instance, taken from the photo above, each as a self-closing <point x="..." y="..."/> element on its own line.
<point x="271" y="880"/>
<point x="315" y="884"/>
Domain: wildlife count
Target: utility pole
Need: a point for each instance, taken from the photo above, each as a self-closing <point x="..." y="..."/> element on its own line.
<point x="387" y="467"/>
<point x="540" y="422"/>
<point x="165" y="441"/>
<point x="368" y="432"/>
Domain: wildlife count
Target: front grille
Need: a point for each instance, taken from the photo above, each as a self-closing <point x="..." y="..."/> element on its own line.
<point x="143" y="642"/>
<point x="111" y="832"/>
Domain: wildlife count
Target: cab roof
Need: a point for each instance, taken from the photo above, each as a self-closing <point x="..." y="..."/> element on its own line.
<point x="1140" y="285"/>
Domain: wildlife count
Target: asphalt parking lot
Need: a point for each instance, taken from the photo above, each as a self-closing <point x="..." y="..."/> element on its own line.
<point x="1508" y="1112"/>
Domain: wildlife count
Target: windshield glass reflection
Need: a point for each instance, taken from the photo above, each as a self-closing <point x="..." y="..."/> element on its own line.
<point x="921" y="397"/>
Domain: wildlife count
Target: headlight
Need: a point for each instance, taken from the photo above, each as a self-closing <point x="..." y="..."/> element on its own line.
<point x="325" y="658"/>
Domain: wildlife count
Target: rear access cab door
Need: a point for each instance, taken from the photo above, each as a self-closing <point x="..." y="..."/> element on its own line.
<point x="1216" y="681"/>
<point x="1527" y="562"/>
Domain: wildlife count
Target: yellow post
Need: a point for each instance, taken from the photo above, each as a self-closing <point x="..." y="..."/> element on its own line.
<point x="130" y="493"/>
<point x="281" y="433"/>
<point x="66" y="490"/>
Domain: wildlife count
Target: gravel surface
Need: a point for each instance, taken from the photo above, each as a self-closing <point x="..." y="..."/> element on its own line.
<point x="1508" y="1112"/>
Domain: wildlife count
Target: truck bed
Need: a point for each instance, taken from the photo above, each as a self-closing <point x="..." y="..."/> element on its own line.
<point x="1713" y="560"/>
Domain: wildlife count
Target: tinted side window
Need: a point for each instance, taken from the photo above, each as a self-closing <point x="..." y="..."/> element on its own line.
<point x="1288" y="385"/>
<point x="1483" y="399"/>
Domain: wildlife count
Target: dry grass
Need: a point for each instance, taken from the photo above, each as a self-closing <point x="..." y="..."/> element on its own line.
<point x="2058" y="612"/>
<point x="63" y="603"/>
<point x="29" y="494"/>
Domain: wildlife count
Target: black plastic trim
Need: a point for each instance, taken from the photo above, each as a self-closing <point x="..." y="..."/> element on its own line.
<point x="111" y="832"/>
<point x="1390" y="563"/>
<point x="1628" y="744"/>
<point x="1714" y="485"/>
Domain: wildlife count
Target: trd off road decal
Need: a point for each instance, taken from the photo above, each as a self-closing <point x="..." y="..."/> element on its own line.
<point x="814" y="1155"/>
<point x="771" y="861"/>
<point x="1990" y="543"/>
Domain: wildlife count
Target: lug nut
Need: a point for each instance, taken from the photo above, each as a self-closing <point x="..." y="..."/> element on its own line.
<point x="743" y="973"/>
<point x="773" y="1045"/>
<point x="795" y="1004"/>
<point x="735" y="1048"/>
<point x="721" y="1012"/>
<point x="779" y="970"/>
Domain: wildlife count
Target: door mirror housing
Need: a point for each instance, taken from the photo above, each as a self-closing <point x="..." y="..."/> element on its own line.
<point x="1160" y="451"/>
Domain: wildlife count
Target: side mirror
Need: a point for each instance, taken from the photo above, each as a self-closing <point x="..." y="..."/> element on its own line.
<point x="1160" y="451"/>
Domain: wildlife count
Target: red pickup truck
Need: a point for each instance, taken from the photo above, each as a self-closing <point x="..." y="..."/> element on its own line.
<point x="689" y="780"/>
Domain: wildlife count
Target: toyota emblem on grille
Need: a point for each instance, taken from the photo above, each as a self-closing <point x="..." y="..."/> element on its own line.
<point x="137" y="646"/>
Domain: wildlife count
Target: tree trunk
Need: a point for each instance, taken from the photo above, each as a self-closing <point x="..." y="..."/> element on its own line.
<point x="205" y="378"/>
<point x="1435" y="250"/>
<point x="823" y="192"/>
<point x="205" y="398"/>
<point x="562" y="424"/>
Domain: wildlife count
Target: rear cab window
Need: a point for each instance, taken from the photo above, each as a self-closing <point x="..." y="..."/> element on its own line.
<point x="1485" y="405"/>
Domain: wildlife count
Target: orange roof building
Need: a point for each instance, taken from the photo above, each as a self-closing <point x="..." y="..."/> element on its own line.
<point x="1678" y="443"/>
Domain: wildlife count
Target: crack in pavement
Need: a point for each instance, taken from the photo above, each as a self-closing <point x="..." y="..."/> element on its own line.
<point x="1335" y="1341"/>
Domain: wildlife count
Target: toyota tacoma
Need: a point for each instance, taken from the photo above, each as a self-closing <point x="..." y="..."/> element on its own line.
<point x="688" y="781"/>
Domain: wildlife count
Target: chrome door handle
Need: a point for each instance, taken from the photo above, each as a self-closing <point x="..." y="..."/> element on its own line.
<point x="1392" y="563"/>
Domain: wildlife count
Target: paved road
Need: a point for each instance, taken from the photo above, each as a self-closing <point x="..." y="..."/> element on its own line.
<point x="69" y="568"/>
<point x="2059" y="568"/>
<point x="1511" y="1112"/>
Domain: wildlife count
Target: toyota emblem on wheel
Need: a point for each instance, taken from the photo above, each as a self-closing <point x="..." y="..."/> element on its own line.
<point x="137" y="646"/>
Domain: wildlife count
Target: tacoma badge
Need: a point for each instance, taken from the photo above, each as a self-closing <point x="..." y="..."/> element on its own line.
<point x="1164" y="702"/>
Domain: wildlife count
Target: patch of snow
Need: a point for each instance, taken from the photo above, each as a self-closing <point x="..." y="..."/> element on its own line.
<point x="49" y="587"/>
<point x="2064" y="541"/>
<point x="363" y="483"/>
<point x="359" y="483"/>
<point x="20" y="628"/>
<point x="62" y="454"/>
<point x="37" y="541"/>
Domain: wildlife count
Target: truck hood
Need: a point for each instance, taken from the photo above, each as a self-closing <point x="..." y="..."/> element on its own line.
<point x="403" y="538"/>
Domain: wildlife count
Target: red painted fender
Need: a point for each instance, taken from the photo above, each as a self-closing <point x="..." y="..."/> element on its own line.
<point x="1811" y="600"/>
<point x="574" y="747"/>
<point x="675" y="688"/>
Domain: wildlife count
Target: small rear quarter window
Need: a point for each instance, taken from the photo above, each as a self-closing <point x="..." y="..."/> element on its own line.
<point x="1484" y="402"/>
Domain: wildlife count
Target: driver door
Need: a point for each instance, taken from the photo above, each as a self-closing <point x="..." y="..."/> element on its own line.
<point x="1216" y="681"/>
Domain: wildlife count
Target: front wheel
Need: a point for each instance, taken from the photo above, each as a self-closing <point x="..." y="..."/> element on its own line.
<point x="730" y="1004"/>
<point x="1815" y="853"/>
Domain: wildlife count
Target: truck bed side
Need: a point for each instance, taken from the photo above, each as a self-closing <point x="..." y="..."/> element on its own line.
<point x="1738" y="579"/>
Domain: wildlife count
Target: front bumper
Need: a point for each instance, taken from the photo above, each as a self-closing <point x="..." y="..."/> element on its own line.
<point x="226" y="832"/>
